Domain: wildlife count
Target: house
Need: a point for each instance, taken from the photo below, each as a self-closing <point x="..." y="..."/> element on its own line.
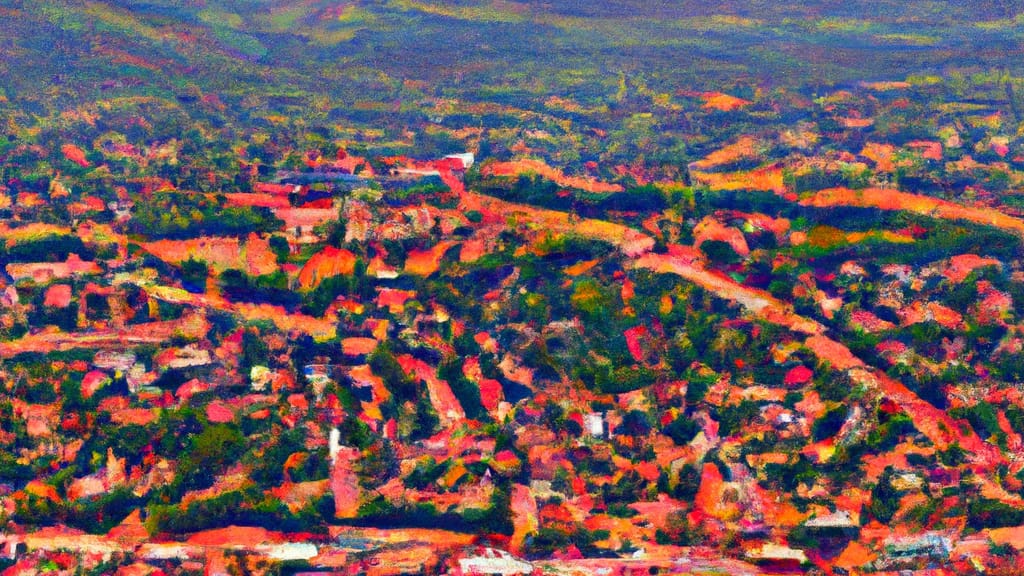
<point x="357" y="345"/>
<point x="777" y="556"/>
<point x="318" y="376"/>
<point x="58" y="296"/>
<point x="381" y="270"/>
<point x="931" y="546"/>
<point x="315" y="372"/>
<point x="494" y="561"/>
<point x="840" y="519"/>
<point x="835" y="528"/>
<point x="593" y="424"/>
<point x="260" y="377"/>
<point x="187" y="357"/>
<point x="360" y="220"/>
<point x="277" y="189"/>
<point x="137" y="377"/>
<point x="457" y="162"/>
<point x="42" y="272"/>
<point x="54" y="538"/>
<point x="12" y="546"/>
<point x="114" y="360"/>
<point x="289" y="551"/>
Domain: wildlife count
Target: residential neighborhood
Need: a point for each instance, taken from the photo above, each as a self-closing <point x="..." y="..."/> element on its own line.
<point x="271" y="302"/>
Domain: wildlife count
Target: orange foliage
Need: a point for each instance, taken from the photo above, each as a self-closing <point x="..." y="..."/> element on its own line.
<point x="856" y="122"/>
<point x="529" y="166"/>
<point x="254" y="256"/>
<point x="710" y="229"/>
<point x="854" y="556"/>
<point x="962" y="265"/>
<point x="581" y="267"/>
<point x="325" y="264"/>
<point x="742" y="148"/>
<point x="75" y="154"/>
<point x="886" y="86"/>
<point x="356" y="346"/>
<point x="426" y="262"/>
<point x="723" y="102"/>
<point x="768" y="179"/>
<point x="881" y="154"/>
<point x="885" y="199"/>
<point x="929" y="150"/>
<point x="472" y="250"/>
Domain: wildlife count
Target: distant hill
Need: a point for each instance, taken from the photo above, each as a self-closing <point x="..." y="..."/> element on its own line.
<point x="292" y="52"/>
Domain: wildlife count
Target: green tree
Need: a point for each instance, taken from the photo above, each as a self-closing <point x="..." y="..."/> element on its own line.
<point x="208" y="454"/>
<point x="384" y="364"/>
<point x="885" y="500"/>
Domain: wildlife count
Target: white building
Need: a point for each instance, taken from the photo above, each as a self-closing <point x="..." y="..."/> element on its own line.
<point x="494" y="561"/>
<point x="467" y="159"/>
<point x="593" y="424"/>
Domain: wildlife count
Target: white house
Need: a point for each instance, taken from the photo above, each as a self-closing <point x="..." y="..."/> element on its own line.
<point x="494" y="561"/>
<point x="593" y="424"/>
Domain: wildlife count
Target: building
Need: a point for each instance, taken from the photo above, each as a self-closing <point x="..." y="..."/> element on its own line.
<point x="460" y="162"/>
<point x="593" y="424"/>
<point x="931" y="546"/>
<point x="494" y="561"/>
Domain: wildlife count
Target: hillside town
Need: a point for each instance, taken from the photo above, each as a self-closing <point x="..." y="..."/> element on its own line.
<point x="741" y="327"/>
<point x="400" y="373"/>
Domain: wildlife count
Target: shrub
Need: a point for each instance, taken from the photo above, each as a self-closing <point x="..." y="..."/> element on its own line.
<point x="682" y="430"/>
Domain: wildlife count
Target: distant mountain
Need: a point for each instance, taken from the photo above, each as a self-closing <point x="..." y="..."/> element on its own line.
<point x="289" y="52"/>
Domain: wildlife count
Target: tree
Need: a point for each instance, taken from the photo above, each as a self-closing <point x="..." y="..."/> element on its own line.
<point x="209" y="453"/>
<point x="687" y="483"/>
<point x="383" y="363"/>
<point x="733" y="418"/>
<point x="719" y="252"/>
<point x="465" y="391"/>
<point x="279" y="244"/>
<point x="636" y="423"/>
<point x="829" y="424"/>
<point x="426" y="420"/>
<point x="885" y="500"/>
<point x="255" y="351"/>
<point x="679" y="531"/>
<point x="682" y="430"/>
<point x="194" y="274"/>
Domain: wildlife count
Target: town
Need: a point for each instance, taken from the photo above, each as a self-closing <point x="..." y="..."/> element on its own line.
<point x="409" y="326"/>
